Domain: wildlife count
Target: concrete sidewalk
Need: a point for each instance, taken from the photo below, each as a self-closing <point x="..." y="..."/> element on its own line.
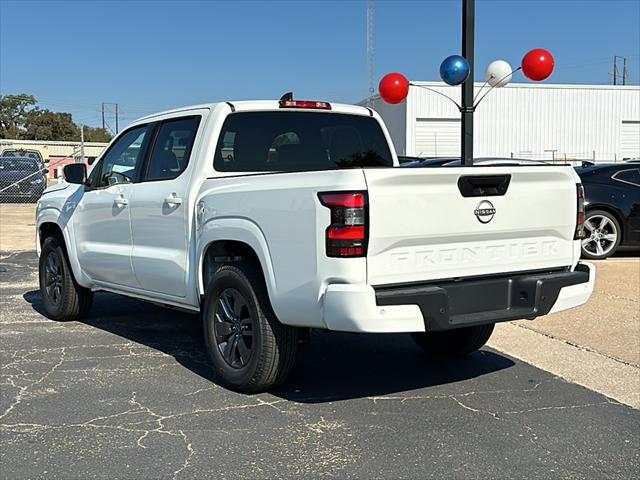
<point x="610" y="322"/>
<point x="17" y="227"/>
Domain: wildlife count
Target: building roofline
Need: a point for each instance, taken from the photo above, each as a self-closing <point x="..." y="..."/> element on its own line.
<point x="13" y="141"/>
<point x="433" y="83"/>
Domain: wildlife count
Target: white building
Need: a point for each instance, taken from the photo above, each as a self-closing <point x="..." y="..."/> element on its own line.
<point x="541" y="121"/>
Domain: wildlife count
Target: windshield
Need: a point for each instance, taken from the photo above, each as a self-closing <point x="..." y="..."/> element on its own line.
<point x="22" y="153"/>
<point x="289" y="141"/>
<point x="23" y="164"/>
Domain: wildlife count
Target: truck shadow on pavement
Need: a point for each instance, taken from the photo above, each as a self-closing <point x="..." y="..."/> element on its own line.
<point x="333" y="366"/>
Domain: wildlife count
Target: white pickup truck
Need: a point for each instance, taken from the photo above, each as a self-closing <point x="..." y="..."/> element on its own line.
<point x="272" y="218"/>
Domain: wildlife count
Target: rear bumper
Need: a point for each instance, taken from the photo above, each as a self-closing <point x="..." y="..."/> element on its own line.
<point x="455" y="304"/>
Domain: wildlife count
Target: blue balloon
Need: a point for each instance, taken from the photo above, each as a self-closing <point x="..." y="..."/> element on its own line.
<point x="454" y="70"/>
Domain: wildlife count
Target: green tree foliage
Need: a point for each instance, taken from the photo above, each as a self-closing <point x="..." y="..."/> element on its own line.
<point x="13" y="112"/>
<point x="96" y="134"/>
<point x="48" y="125"/>
<point x="20" y="118"/>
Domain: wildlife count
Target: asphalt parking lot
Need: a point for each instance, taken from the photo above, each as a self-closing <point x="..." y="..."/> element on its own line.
<point x="129" y="393"/>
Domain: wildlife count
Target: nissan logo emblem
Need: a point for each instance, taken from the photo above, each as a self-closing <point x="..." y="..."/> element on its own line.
<point x="485" y="211"/>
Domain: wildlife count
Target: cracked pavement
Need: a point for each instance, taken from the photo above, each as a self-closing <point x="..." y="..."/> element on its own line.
<point x="128" y="393"/>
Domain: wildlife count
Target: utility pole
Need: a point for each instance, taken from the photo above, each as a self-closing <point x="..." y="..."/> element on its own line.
<point x="371" y="17"/>
<point x="82" y="143"/>
<point x="468" y="33"/>
<point x="616" y="71"/>
<point x="110" y="110"/>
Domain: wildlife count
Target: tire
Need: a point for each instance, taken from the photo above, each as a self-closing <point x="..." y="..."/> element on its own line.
<point x="63" y="298"/>
<point x="602" y="235"/>
<point x="250" y="349"/>
<point x="454" y="343"/>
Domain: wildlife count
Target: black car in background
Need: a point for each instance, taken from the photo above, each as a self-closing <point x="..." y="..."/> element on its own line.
<point x="21" y="179"/>
<point x="419" y="162"/>
<point x="612" y="201"/>
<point x="19" y="152"/>
<point x="416" y="162"/>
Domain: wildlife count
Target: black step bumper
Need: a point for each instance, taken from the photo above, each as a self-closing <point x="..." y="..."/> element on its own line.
<point x="479" y="301"/>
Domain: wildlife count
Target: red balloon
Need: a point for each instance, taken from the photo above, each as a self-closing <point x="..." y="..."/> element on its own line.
<point x="394" y="88"/>
<point x="537" y="65"/>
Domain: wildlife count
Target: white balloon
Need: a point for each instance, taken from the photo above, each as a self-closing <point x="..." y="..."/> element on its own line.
<point x="499" y="73"/>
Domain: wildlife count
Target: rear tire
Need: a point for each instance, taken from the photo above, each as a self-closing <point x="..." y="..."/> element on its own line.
<point x="454" y="343"/>
<point x="63" y="298"/>
<point x="250" y="349"/>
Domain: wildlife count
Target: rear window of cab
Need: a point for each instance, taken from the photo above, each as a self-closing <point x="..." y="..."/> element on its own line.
<point x="288" y="141"/>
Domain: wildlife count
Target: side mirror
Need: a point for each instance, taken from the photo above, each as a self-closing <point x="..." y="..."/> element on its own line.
<point x="91" y="160"/>
<point x="75" y="173"/>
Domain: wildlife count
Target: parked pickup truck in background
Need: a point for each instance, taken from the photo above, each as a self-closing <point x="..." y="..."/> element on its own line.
<point x="308" y="224"/>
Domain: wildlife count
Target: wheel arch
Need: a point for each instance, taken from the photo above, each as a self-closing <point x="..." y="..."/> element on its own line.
<point x="48" y="229"/>
<point x="231" y="240"/>
<point x="610" y="210"/>
<point x="49" y="226"/>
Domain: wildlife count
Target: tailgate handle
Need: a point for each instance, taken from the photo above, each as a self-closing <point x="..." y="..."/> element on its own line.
<point x="483" y="185"/>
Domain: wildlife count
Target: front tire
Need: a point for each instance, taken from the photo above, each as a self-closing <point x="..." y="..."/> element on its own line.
<point x="454" y="343"/>
<point x="602" y="235"/>
<point x="62" y="297"/>
<point x="250" y="349"/>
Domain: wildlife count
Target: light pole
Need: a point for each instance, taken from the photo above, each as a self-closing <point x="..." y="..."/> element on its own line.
<point x="467" y="107"/>
<point x="537" y="65"/>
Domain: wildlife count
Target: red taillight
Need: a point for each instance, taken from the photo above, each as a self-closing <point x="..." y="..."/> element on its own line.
<point x="580" y="216"/>
<point x="345" y="233"/>
<point x="347" y="200"/>
<point x="305" y="104"/>
<point x="346" y="236"/>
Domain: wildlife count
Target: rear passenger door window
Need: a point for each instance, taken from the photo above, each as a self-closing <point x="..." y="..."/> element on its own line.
<point x="171" y="149"/>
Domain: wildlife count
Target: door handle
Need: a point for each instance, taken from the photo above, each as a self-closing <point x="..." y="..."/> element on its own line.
<point x="120" y="201"/>
<point x="173" y="200"/>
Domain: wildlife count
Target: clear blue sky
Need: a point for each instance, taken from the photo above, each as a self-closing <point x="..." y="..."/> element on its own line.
<point x="154" y="55"/>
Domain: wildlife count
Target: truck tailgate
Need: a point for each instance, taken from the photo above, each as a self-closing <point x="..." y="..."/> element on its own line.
<point x="436" y="223"/>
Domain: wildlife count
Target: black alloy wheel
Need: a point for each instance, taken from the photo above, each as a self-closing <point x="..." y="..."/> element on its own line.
<point x="53" y="278"/>
<point x="233" y="328"/>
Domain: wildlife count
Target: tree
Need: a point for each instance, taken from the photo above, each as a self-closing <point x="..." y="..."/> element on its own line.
<point x="20" y="118"/>
<point x="96" y="134"/>
<point x="13" y="112"/>
<point x="48" y="125"/>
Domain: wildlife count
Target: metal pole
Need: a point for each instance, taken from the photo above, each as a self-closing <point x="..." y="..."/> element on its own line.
<point x="103" y="115"/>
<point x="82" y="143"/>
<point x="116" y="118"/>
<point x="624" y="71"/>
<point x="468" y="21"/>
<point x="371" y="16"/>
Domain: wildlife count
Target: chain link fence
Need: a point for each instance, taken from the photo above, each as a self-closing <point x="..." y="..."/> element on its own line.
<point x="25" y="173"/>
